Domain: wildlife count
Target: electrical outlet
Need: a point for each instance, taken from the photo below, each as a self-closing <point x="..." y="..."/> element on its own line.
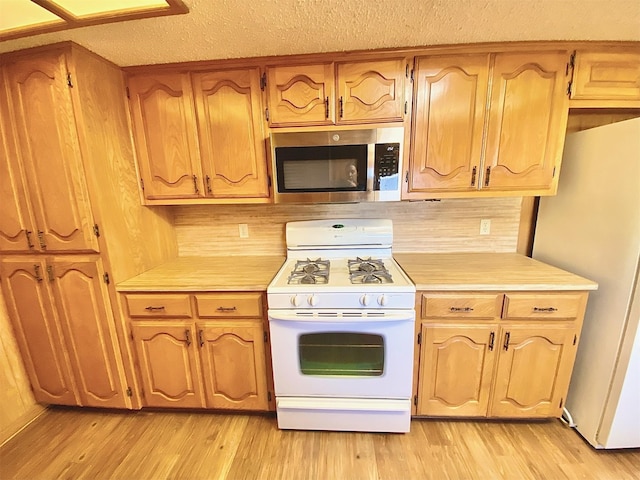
<point x="485" y="226"/>
<point x="243" y="228"/>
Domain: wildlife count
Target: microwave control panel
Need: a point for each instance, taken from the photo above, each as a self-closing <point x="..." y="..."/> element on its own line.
<point x="386" y="166"/>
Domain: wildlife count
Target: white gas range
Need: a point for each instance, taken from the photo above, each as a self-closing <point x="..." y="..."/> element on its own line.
<point x="341" y="315"/>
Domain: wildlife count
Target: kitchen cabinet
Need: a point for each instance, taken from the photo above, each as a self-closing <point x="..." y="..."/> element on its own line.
<point x="62" y="318"/>
<point x="497" y="354"/>
<point x="199" y="136"/>
<point x="215" y="359"/>
<point x="487" y="124"/>
<point x="69" y="184"/>
<point x="339" y="93"/>
<point x="48" y="167"/>
<point x="606" y="78"/>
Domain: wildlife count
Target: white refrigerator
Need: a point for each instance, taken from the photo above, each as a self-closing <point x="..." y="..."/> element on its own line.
<point x="592" y="228"/>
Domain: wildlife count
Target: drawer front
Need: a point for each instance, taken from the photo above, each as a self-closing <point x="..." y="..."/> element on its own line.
<point x="159" y="305"/>
<point x="211" y="305"/>
<point x="459" y="305"/>
<point x="542" y="306"/>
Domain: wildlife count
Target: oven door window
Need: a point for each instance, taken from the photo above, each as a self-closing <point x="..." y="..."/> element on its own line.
<point x="336" y="168"/>
<point x="342" y="354"/>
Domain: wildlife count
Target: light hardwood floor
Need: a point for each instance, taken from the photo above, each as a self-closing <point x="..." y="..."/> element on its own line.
<point x="92" y="444"/>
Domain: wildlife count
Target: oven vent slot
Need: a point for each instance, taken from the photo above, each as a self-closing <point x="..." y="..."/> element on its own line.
<point x="376" y="314"/>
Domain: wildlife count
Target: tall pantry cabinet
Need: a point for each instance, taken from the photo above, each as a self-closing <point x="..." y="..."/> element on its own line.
<point x="72" y="224"/>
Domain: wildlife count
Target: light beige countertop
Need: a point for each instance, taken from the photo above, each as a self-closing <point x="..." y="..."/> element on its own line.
<point x="191" y="274"/>
<point x="487" y="271"/>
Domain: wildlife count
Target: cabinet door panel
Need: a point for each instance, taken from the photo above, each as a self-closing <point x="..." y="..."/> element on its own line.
<point x="231" y="136"/>
<point x="456" y="366"/>
<point x="166" y="136"/>
<point x="16" y="225"/>
<point x="527" y="121"/>
<point x="371" y="91"/>
<point x="451" y="94"/>
<point x="301" y="95"/>
<point x="47" y="136"/>
<point x="533" y="372"/>
<point x="31" y="311"/>
<point x="83" y="306"/>
<point x="168" y="365"/>
<point x="234" y="364"/>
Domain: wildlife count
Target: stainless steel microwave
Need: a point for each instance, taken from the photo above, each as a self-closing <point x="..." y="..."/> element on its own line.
<point x="337" y="165"/>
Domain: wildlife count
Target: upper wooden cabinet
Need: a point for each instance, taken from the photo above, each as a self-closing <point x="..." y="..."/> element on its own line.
<point x="166" y="135"/>
<point x="527" y="122"/>
<point x="606" y="78"/>
<point x="47" y="163"/>
<point x="199" y="136"/>
<point x="337" y="93"/>
<point x="493" y="123"/>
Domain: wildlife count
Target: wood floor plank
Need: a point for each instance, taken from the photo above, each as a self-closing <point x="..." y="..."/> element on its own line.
<point x="76" y="444"/>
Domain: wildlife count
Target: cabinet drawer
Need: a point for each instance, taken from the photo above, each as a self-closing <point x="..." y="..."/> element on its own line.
<point x="159" y="305"/>
<point x="459" y="305"/>
<point x="229" y="305"/>
<point x="543" y="306"/>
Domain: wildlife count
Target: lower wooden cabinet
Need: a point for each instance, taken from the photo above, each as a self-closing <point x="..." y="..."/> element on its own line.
<point x="489" y="367"/>
<point x="201" y="363"/>
<point x="61" y="314"/>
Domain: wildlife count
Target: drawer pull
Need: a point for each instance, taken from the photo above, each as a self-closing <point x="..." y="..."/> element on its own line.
<point x="547" y="309"/>
<point x="226" y="309"/>
<point x="461" y="309"/>
<point x="151" y="308"/>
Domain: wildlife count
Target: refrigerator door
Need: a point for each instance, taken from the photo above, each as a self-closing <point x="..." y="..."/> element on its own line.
<point x="592" y="228"/>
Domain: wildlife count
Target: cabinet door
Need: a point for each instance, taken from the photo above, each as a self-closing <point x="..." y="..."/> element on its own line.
<point x="16" y="224"/>
<point x="48" y="142"/>
<point x="85" y="313"/>
<point x="534" y="369"/>
<point x="606" y="75"/>
<point x="30" y="308"/>
<point x="527" y="121"/>
<point x="168" y="364"/>
<point x="456" y="367"/>
<point x="372" y="91"/>
<point x="301" y="95"/>
<point x="165" y="131"/>
<point x="450" y="102"/>
<point x="234" y="367"/>
<point x="232" y="140"/>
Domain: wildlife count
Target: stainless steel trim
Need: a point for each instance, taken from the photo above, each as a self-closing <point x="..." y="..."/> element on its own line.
<point x="323" y="138"/>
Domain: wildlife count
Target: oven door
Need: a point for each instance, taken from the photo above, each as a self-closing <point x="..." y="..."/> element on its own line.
<point x="346" y="355"/>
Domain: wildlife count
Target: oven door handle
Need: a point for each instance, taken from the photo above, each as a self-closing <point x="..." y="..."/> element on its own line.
<point x="340" y="317"/>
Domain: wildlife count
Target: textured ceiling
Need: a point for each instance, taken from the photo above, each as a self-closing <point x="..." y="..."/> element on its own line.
<point x="245" y="28"/>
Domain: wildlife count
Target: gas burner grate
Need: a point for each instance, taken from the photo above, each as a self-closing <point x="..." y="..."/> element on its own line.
<point x="309" y="272"/>
<point x="368" y="270"/>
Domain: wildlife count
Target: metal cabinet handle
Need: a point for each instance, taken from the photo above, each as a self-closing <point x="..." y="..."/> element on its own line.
<point x="226" y="309"/>
<point x="36" y="269"/>
<point x="50" y="273"/>
<point x="29" y="242"/>
<point x="151" y="308"/>
<point x="41" y="239"/>
<point x="473" y="176"/>
<point x="507" y="336"/>
<point x="195" y="184"/>
<point x="492" y="337"/>
<point x="545" y="309"/>
<point x="461" y="309"/>
<point x="341" y="108"/>
<point x="326" y="107"/>
<point x="487" y="177"/>
<point x="207" y="180"/>
<point x="201" y="338"/>
<point x="187" y="337"/>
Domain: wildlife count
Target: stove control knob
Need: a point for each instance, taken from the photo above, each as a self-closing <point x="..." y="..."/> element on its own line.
<point x="295" y="301"/>
<point x="313" y="300"/>
<point x="383" y="300"/>
<point x="364" y="300"/>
